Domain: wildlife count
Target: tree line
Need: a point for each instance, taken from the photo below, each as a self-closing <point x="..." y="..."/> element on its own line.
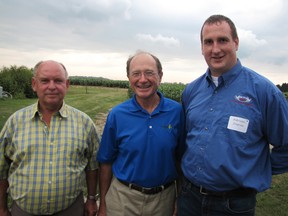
<point x="17" y="81"/>
<point x="283" y="87"/>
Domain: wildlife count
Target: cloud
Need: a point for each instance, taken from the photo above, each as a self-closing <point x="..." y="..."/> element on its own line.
<point x="159" y="39"/>
<point x="248" y="42"/>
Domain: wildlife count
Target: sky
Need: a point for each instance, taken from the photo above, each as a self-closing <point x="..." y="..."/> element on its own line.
<point x="96" y="37"/>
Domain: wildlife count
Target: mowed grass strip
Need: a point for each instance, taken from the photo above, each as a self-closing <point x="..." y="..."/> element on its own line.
<point x="95" y="100"/>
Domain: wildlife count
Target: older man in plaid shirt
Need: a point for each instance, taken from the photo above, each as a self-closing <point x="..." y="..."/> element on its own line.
<point x="46" y="151"/>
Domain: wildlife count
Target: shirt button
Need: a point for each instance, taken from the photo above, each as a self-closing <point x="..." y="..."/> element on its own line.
<point x="49" y="182"/>
<point x="211" y="109"/>
<point x="150" y="126"/>
<point x="206" y="128"/>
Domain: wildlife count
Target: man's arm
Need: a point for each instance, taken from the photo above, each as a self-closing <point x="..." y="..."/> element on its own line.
<point x="92" y="181"/>
<point x="3" y="198"/>
<point x="277" y="127"/>
<point x="105" y="181"/>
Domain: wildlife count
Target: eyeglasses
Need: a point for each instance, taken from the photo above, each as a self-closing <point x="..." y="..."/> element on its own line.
<point x="147" y="74"/>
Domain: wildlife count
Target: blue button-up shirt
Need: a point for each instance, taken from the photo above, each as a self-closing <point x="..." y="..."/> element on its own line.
<point x="230" y="128"/>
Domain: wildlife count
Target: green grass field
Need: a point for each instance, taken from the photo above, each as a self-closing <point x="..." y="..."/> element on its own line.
<point x="98" y="100"/>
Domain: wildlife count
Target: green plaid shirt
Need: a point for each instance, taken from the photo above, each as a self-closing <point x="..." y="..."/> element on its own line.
<point x="45" y="166"/>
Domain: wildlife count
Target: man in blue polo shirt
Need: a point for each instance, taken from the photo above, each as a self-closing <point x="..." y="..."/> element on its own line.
<point x="139" y="146"/>
<point x="232" y="115"/>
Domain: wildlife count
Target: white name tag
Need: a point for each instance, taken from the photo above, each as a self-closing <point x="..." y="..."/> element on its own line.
<point x="238" y="124"/>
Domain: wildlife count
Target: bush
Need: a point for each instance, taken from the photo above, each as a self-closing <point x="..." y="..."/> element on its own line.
<point x="286" y="95"/>
<point x="17" y="81"/>
<point x="169" y="90"/>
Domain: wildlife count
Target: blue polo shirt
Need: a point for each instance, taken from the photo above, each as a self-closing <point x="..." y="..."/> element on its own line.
<point x="140" y="146"/>
<point x="230" y="128"/>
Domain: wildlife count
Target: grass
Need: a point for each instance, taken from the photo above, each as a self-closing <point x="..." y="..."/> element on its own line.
<point x="8" y="106"/>
<point x="97" y="100"/>
<point x="274" y="200"/>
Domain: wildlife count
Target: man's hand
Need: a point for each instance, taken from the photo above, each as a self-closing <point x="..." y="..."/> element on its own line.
<point x="102" y="211"/>
<point x="3" y="198"/>
<point x="90" y="208"/>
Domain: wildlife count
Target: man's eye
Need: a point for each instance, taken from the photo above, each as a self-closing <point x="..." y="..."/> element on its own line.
<point x="149" y="73"/>
<point x="58" y="81"/>
<point x="223" y="40"/>
<point x="208" y="42"/>
<point x="136" y="74"/>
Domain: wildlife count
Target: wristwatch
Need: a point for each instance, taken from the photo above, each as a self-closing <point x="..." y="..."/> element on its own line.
<point x="93" y="197"/>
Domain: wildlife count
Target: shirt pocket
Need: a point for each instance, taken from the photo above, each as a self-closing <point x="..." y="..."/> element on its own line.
<point x="241" y="124"/>
<point x="73" y="152"/>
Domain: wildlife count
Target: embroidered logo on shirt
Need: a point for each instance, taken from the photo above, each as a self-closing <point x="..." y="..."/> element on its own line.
<point x="168" y="126"/>
<point x="243" y="99"/>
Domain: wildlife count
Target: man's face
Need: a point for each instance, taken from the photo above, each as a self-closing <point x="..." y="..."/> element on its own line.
<point x="50" y="84"/>
<point x="218" y="47"/>
<point x="143" y="76"/>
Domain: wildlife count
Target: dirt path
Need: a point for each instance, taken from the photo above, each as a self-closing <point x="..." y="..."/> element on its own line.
<point x="100" y="121"/>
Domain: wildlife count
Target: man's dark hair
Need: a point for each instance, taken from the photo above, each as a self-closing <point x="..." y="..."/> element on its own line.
<point x="219" y="19"/>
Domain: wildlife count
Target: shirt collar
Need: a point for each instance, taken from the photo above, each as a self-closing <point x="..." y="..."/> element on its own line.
<point x="63" y="112"/>
<point x="227" y="77"/>
<point x="136" y="107"/>
<point x="35" y="111"/>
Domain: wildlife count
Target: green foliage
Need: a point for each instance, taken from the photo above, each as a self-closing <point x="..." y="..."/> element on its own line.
<point x="172" y="90"/>
<point x="17" y="81"/>
<point x="169" y="90"/>
<point x="286" y="95"/>
<point x="283" y="87"/>
<point x="98" y="81"/>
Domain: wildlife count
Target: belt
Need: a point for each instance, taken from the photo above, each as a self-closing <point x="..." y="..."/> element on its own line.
<point x="238" y="192"/>
<point x="145" y="190"/>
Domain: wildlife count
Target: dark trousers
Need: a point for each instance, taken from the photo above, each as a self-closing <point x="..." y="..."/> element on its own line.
<point x="193" y="203"/>
<point x="76" y="209"/>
